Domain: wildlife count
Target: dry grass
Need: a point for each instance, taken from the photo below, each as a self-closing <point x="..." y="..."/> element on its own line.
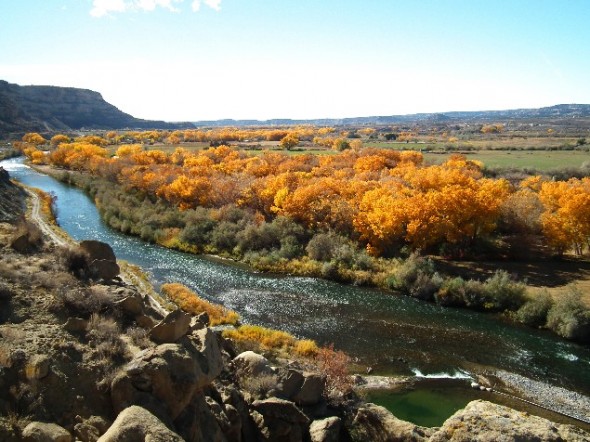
<point x="191" y="303"/>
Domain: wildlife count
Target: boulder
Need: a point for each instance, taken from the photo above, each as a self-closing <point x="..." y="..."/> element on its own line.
<point x="233" y="397"/>
<point x="98" y="250"/>
<point x="484" y="421"/>
<point x="325" y="430"/>
<point x="280" y="409"/>
<point x="167" y="374"/>
<point x="37" y="367"/>
<point x="89" y="430"/>
<point x="136" y="424"/>
<point x="249" y="363"/>
<point x="375" y="423"/>
<point x="21" y="243"/>
<point x="279" y="420"/>
<point x="310" y="392"/>
<point x="102" y="262"/>
<point x="105" y="270"/>
<point x="227" y="418"/>
<point x="290" y="384"/>
<point x="131" y="304"/>
<point x="200" y="321"/>
<point x="76" y="325"/>
<point x="172" y="327"/>
<point x="44" y="432"/>
<point x="204" y="345"/>
<point x="198" y="422"/>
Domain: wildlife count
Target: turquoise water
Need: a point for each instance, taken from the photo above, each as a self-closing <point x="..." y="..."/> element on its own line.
<point x="393" y="334"/>
<point x="426" y="406"/>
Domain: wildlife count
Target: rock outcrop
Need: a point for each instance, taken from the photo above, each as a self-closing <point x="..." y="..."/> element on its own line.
<point x="138" y="424"/>
<point x="485" y="421"/>
<point x="12" y="199"/>
<point x="102" y="263"/>
<point x="44" y="432"/>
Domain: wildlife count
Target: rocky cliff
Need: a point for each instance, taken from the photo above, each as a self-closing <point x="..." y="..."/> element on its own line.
<point x="85" y="355"/>
<point x="50" y="108"/>
<point x="12" y="199"/>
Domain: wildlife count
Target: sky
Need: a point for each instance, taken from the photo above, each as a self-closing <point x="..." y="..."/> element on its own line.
<point x="190" y="60"/>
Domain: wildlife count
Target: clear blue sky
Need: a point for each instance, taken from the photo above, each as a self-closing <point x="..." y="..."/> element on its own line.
<point x="212" y="59"/>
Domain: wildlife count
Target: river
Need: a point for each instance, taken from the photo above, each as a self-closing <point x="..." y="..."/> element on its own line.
<point x="395" y="335"/>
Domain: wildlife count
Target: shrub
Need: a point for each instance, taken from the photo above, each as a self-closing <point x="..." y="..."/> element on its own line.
<point x="259" y="386"/>
<point x="497" y="293"/>
<point x="306" y="348"/>
<point x="27" y="238"/>
<point x="267" y="338"/>
<point x="502" y="293"/>
<point x="326" y="246"/>
<point x="104" y="335"/>
<point x="139" y="336"/>
<point x="415" y="277"/>
<point x="290" y="247"/>
<point x="190" y="302"/>
<point x="474" y="294"/>
<point x="76" y="261"/>
<point x="334" y="365"/>
<point x="198" y="233"/>
<point x="534" y="311"/>
<point x="81" y="301"/>
<point x="569" y="317"/>
<point x="262" y="237"/>
<point x="451" y="292"/>
<point x="260" y="338"/>
<point x="223" y="237"/>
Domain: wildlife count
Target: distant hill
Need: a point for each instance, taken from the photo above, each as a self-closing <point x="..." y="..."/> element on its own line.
<point x="561" y="111"/>
<point x="51" y="108"/>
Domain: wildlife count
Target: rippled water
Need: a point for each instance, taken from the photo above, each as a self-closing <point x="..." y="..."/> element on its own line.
<point x="393" y="334"/>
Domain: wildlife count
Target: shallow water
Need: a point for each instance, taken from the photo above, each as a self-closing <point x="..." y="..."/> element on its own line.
<point x="393" y="334"/>
<point x="427" y="406"/>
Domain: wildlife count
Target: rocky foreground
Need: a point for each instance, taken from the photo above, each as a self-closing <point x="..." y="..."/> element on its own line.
<point x="86" y="356"/>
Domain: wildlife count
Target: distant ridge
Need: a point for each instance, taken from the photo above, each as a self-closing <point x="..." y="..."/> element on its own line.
<point x="52" y="108"/>
<point x="560" y="111"/>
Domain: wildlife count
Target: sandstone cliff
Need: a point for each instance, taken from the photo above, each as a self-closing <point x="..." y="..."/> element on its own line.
<point x="51" y="108"/>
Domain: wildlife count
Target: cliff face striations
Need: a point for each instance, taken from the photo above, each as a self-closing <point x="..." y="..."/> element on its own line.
<point x="51" y="108"/>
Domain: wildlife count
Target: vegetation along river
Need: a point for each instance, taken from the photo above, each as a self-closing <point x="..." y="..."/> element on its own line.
<point x="393" y="334"/>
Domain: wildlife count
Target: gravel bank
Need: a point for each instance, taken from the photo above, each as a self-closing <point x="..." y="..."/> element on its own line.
<point x="554" y="398"/>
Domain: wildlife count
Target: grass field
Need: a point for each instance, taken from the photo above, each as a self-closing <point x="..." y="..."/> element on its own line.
<point x="541" y="160"/>
<point x="543" y="157"/>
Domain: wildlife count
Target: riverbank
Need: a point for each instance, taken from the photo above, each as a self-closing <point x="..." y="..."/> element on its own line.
<point x="416" y="276"/>
<point x="517" y="387"/>
<point x="294" y="303"/>
<point x="566" y="402"/>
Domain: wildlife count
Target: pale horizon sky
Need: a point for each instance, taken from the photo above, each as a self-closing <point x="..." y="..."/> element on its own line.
<point x="187" y="60"/>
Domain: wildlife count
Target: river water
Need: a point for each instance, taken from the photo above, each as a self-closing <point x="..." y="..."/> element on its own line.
<point x="393" y="334"/>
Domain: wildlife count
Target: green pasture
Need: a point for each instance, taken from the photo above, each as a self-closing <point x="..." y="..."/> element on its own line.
<point x="541" y="160"/>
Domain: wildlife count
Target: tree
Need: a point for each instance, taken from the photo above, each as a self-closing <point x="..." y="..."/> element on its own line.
<point x="566" y="218"/>
<point x="289" y="141"/>
<point x="34" y="138"/>
<point x="56" y="140"/>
